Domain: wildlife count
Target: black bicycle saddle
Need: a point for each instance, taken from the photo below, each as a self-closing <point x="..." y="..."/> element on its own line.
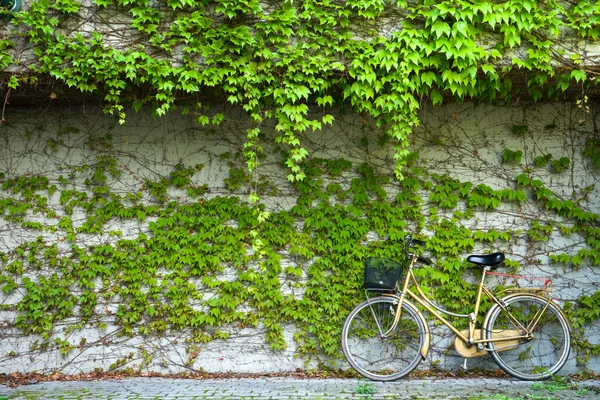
<point x="490" y="260"/>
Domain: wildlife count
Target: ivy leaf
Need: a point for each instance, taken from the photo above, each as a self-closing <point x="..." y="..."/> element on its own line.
<point x="13" y="82"/>
<point x="218" y="119"/>
<point x="436" y="97"/>
<point x="511" y="36"/>
<point x="328" y="119"/>
<point x="441" y="28"/>
<point x="460" y="27"/>
<point x="535" y="94"/>
<point x="428" y="78"/>
<point x="203" y="120"/>
<point x="302" y="91"/>
<point x="489" y="69"/>
<point x="137" y="105"/>
<point x="578" y="75"/>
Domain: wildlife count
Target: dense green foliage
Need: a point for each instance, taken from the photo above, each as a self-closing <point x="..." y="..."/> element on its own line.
<point x="281" y="60"/>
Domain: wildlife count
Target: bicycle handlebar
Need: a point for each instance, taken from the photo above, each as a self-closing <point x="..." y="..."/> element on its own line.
<point x="410" y="242"/>
<point x="423" y="260"/>
<point x="419" y="242"/>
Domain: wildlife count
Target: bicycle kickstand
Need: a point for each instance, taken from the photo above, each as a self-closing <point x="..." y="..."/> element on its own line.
<point x="464" y="366"/>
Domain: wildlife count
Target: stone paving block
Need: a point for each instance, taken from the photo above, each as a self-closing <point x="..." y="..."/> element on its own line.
<point x="293" y="389"/>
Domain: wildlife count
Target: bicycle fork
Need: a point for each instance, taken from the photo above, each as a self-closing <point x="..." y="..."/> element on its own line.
<point x="397" y="313"/>
<point x="401" y="297"/>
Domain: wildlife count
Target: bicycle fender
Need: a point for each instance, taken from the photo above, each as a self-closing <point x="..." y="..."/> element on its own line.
<point x="427" y="343"/>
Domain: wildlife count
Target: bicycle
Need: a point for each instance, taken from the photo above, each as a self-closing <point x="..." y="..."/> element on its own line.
<point x="385" y="337"/>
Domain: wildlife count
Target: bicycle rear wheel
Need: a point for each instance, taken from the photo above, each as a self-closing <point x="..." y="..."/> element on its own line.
<point x="379" y="357"/>
<point x="538" y="357"/>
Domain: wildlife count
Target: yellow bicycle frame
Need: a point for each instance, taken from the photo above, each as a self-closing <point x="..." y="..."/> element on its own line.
<point x="522" y="332"/>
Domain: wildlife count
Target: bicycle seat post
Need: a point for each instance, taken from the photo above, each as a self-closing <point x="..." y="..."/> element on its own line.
<point x="477" y="303"/>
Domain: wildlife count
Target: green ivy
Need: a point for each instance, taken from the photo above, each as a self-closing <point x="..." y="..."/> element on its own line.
<point x="592" y="150"/>
<point x="510" y="156"/>
<point x="287" y="64"/>
<point x="170" y="279"/>
<point x="584" y="312"/>
<point x="283" y="60"/>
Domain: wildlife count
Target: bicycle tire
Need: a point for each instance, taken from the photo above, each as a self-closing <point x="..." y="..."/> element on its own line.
<point x="537" y="358"/>
<point x="378" y="358"/>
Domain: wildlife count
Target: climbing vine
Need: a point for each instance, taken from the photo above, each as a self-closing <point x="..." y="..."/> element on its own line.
<point x="211" y="266"/>
<point x="282" y="60"/>
<point x="166" y="256"/>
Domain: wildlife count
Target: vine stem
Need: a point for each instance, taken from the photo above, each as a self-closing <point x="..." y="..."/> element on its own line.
<point x="4" y="106"/>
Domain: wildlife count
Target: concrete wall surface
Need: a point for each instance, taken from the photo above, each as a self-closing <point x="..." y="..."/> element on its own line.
<point x="465" y="142"/>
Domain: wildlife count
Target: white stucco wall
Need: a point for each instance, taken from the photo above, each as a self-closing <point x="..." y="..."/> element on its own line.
<point x="463" y="141"/>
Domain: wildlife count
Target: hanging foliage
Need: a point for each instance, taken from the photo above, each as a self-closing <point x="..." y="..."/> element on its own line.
<point x="291" y="61"/>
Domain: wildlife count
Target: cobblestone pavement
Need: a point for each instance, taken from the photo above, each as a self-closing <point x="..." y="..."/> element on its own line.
<point x="286" y="388"/>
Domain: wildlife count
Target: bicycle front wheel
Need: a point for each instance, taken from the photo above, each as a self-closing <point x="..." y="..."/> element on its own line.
<point x="544" y="352"/>
<point x="375" y="355"/>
